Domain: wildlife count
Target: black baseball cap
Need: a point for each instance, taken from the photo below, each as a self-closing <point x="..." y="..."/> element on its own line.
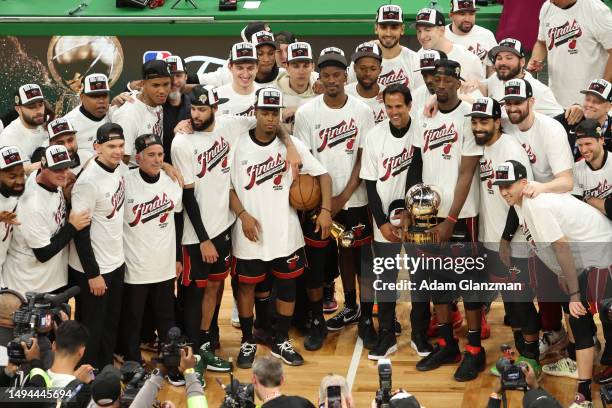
<point x="448" y="67"/>
<point x="146" y="140"/>
<point x="588" y="128"/>
<point x="367" y="49"/>
<point x="108" y="132"/>
<point x="156" y="69"/>
<point x="517" y="90"/>
<point x="539" y="398"/>
<point x="202" y="95"/>
<point x="509" y="172"/>
<point x="429" y="17"/>
<point x="106" y="387"/>
<point x="485" y="108"/>
<point x="252" y="28"/>
<point x="332" y="56"/>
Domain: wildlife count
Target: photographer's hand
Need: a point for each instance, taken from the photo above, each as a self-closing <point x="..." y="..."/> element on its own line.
<point x="187" y="359"/>
<point x="530" y="377"/>
<point x="33" y="352"/>
<point x="83" y="373"/>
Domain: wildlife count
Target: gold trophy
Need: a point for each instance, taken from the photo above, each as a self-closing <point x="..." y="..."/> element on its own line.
<point x="338" y="232"/>
<point x="422" y="202"/>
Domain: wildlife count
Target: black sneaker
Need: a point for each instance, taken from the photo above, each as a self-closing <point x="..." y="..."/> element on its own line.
<point x="386" y="345"/>
<point x="420" y="344"/>
<point x="397" y="327"/>
<point x="316" y="335"/>
<point x="471" y="365"/>
<point x="284" y="350"/>
<point x="246" y="355"/>
<point x="367" y="333"/>
<point x="440" y="355"/>
<point x="347" y="316"/>
<point x="329" y="299"/>
<point x="176" y="379"/>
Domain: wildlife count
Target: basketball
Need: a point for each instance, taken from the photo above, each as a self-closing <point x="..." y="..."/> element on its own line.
<point x="305" y="193"/>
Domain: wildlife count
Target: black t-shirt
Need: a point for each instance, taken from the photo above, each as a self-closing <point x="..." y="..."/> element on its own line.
<point x="285" y="401"/>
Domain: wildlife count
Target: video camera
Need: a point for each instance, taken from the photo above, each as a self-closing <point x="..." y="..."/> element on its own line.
<point x="383" y="395"/>
<point x="237" y="395"/>
<point x="133" y="377"/>
<point x="37" y="317"/>
<point x="171" y="351"/>
<point x="512" y="376"/>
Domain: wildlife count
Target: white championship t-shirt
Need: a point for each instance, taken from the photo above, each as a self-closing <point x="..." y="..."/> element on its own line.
<point x="149" y="236"/>
<point x="546" y="146"/>
<point x="471" y="67"/>
<point x="137" y="119"/>
<point x="398" y="70"/>
<point x="27" y="140"/>
<point x="590" y="183"/>
<point x="6" y="230"/>
<point x="205" y="159"/>
<point x="386" y="159"/>
<point x="86" y="128"/>
<point x="237" y="104"/>
<point x="493" y="208"/>
<point x="334" y="136"/>
<point x="550" y="217"/>
<point x="577" y="40"/>
<point x="376" y="103"/>
<point x="41" y="213"/>
<point x="444" y="139"/>
<point x="544" y="100"/>
<point x="262" y="181"/>
<point x="478" y="41"/>
<point x="102" y="193"/>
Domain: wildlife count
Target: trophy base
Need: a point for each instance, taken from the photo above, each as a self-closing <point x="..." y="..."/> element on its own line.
<point x="418" y="235"/>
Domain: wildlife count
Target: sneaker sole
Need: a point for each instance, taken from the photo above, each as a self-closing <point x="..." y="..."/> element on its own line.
<point x="236" y="324"/>
<point x="345" y="325"/>
<point x="480" y="370"/>
<point x="457" y="360"/>
<point x="330" y="309"/>
<point x="390" y="350"/>
<point x="419" y="353"/>
<point x="558" y="374"/>
<point x="284" y="360"/>
<point x="217" y="369"/>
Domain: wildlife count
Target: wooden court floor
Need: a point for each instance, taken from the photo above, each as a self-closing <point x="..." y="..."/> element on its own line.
<point x="435" y="389"/>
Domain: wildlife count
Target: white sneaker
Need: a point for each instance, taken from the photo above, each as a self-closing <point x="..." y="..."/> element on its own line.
<point x="580" y="402"/>
<point x="553" y="342"/>
<point x="566" y="367"/>
<point x="235" y="318"/>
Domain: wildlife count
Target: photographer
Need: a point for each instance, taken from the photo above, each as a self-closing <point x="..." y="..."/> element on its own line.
<point x="335" y="380"/>
<point x="267" y="380"/>
<point x="401" y="399"/>
<point x="106" y="388"/>
<point x="193" y="389"/>
<point x="9" y="373"/>
<point x="535" y="397"/>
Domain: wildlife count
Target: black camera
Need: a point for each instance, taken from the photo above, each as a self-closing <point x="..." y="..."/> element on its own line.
<point x="37" y="317"/>
<point x="171" y="351"/>
<point x="237" y="394"/>
<point x="133" y="377"/>
<point x="383" y="395"/>
<point x="512" y="376"/>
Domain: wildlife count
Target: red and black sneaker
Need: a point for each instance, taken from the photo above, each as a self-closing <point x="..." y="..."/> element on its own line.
<point x="474" y="361"/>
<point x="442" y="354"/>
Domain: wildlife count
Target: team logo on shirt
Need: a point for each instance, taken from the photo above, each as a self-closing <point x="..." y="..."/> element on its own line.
<point x="479" y="51"/>
<point x="393" y="77"/>
<point x="380" y="116"/>
<point x="397" y="164"/>
<point x="358" y="230"/>
<point x="530" y="153"/>
<point x="602" y="190"/>
<point x="117" y="199"/>
<point x="293" y="261"/>
<point x="8" y="228"/>
<point x="60" y="214"/>
<point x="487" y="174"/>
<point x="568" y="32"/>
<point x="528" y="236"/>
<point x="157" y="207"/>
<point x="442" y="136"/>
<point x="158" y="127"/>
<point x="209" y="159"/>
<point x="337" y="134"/>
<point x="250" y="111"/>
<point x="266" y="170"/>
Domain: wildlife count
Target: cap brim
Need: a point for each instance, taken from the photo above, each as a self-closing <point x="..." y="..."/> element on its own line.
<point x="13" y="164"/>
<point x="222" y="100"/>
<point x="62" y="165"/>
<point x="243" y="59"/>
<point x="479" y="115"/>
<point x="499" y="48"/>
<point x="33" y="100"/>
<point x="591" y="92"/>
<point x="424" y="23"/>
<point x="97" y="92"/>
<point x="358" y="55"/>
<point x="338" y="59"/>
<point x="513" y="98"/>
<point x="424" y="69"/>
<point x="271" y="43"/>
<point x="389" y="22"/>
<point x="466" y="9"/>
<point x="504" y="182"/>
<point x="299" y="59"/>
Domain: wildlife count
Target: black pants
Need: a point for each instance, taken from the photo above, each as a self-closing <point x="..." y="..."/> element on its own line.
<point x="100" y="314"/>
<point x="160" y="296"/>
<point x="373" y="282"/>
<point x="191" y="305"/>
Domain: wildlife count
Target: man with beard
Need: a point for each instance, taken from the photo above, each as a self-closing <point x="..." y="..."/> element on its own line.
<point x="332" y="126"/>
<point x="597" y="105"/>
<point x="545" y="142"/>
<point x="92" y="112"/>
<point x="508" y="59"/>
<point x="366" y="63"/>
<point x="398" y="62"/>
<point x="450" y="157"/>
<point x="493" y="210"/>
<point x="430" y="29"/>
<point x="12" y="183"/>
<point x="240" y="92"/>
<point x="463" y="30"/>
<point x="28" y="132"/>
<point x="575" y="36"/>
<point x="176" y="107"/>
<point x="37" y="259"/>
<point x="145" y="114"/>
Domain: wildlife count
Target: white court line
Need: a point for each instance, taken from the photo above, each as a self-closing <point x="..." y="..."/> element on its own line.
<point x="352" y="371"/>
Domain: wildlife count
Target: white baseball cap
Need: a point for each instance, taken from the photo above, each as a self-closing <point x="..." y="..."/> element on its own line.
<point x="175" y="63"/>
<point x="299" y="51"/>
<point x="28" y="93"/>
<point x="95" y="84"/>
<point x="243" y="51"/>
<point x="10" y="156"/>
<point x="269" y="98"/>
<point x="59" y="126"/>
<point x="56" y="157"/>
<point x="389" y="14"/>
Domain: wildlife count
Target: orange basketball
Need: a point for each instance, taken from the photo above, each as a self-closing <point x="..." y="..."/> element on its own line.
<point x="305" y="193"/>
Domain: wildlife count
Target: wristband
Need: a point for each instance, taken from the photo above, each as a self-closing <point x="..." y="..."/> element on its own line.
<point x="451" y="219"/>
<point x="189" y="371"/>
<point x="575" y="293"/>
<point x="326" y="209"/>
